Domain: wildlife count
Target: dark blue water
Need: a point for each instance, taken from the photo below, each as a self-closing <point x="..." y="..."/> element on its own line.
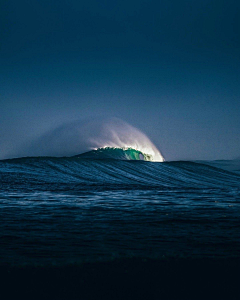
<point x="64" y="211"/>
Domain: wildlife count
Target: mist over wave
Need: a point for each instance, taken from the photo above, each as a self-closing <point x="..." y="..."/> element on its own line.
<point x="82" y="136"/>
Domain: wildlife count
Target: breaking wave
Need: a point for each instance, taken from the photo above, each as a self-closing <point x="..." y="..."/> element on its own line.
<point x="118" y="138"/>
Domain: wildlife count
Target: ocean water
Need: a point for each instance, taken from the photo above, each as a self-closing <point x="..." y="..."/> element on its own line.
<point x="73" y="210"/>
<point x="88" y="228"/>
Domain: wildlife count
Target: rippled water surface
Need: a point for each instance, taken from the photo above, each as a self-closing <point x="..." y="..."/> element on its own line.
<point x="61" y="211"/>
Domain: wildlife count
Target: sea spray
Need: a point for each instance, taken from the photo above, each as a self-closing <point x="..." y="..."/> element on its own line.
<point x="83" y="136"/>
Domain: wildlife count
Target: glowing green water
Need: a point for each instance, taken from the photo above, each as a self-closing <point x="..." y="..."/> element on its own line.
<point x="116" y="153"/>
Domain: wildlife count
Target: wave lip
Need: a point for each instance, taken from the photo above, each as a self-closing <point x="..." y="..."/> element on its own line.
<point x="116" y="153"/>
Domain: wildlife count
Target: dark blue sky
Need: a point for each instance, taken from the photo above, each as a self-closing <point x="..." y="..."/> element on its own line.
<point x="169" y="68"/>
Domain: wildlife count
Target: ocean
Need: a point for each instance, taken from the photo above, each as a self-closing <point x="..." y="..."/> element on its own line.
<point x="97" y="227"/>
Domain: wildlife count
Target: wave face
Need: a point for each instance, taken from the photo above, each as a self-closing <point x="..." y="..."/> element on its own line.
<point x="115" y="153"/>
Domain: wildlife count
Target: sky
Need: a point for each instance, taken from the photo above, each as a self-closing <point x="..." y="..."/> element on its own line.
<point x="169" y="68"/>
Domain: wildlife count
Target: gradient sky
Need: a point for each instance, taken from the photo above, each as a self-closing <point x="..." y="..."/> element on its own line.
<point x="169" y="68"/>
